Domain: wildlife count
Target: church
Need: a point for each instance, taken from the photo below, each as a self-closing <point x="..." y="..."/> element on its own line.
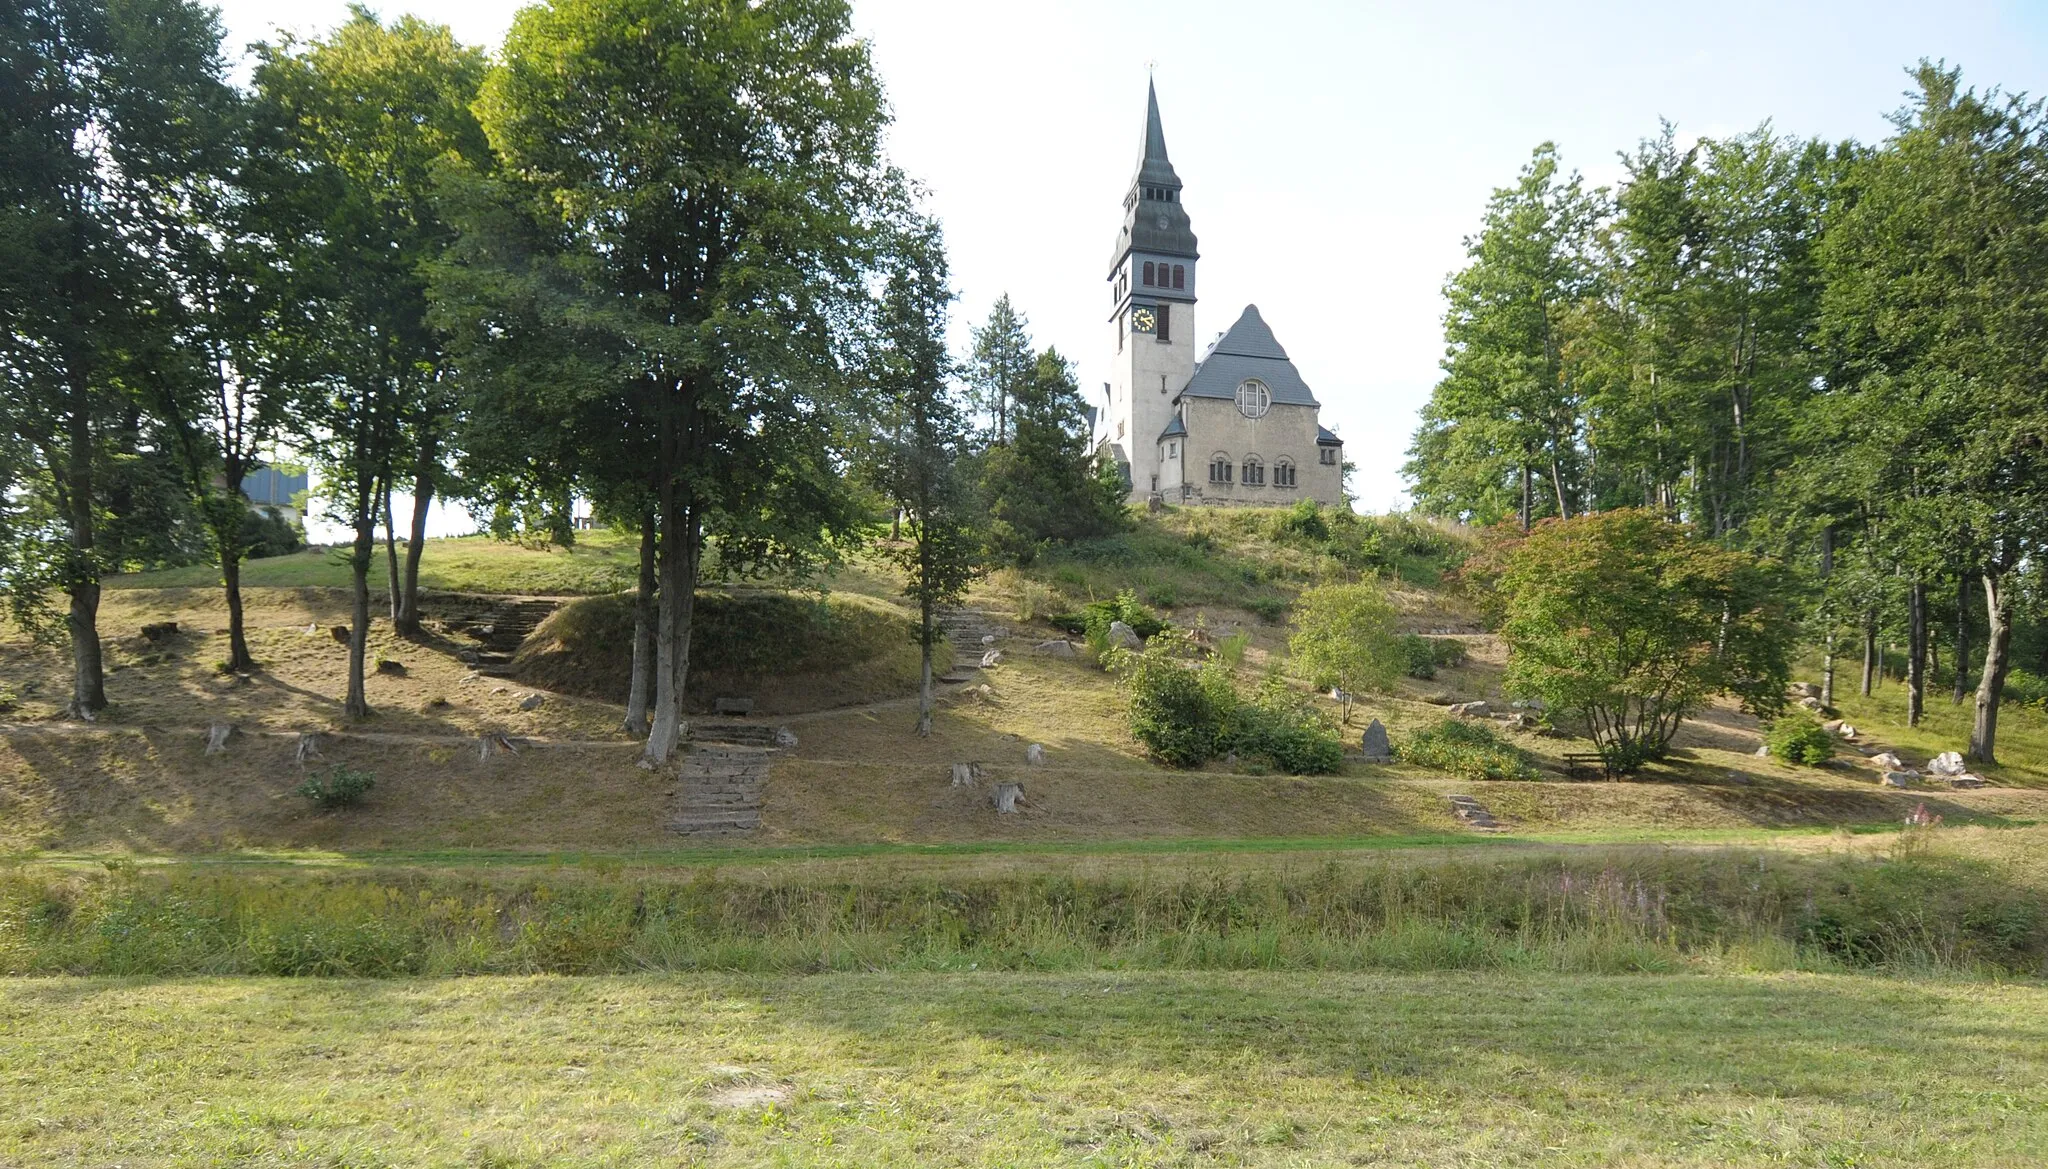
<point x="1238" y="425"/>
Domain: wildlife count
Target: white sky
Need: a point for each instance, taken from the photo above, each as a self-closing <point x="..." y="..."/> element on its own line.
<point x="1334" y="155"/>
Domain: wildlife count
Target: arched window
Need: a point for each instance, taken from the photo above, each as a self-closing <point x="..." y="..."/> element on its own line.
<point x="1253" y="398"/>
<point x="1148" y="272"/>
<point x="1254" y="472"/>
<point x="1180" y="275"/>
<point x="1219" y="468"/>
<point x="1283" y="473"/>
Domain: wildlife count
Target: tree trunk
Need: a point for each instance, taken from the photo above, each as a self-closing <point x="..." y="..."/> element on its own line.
<point x="1827" y="670"/>
<point x="641" y="689"/>
<point x="1869" y="653"/>
<point x="1916" y="651"/>
<point x="1526" y="498"/>
<point x="1564" y="511"/>
<point x="88" y="673"/>
<point x="358" y="703"/>
<point x="1997" y="661"/>
<point x="1962" y="688"/>
<point x="390" y="553"/>
<point x="680" y="546"/>
<point x="415" y="541"/>
<point x="924" y="685"/>
<point x="239" y="658"/>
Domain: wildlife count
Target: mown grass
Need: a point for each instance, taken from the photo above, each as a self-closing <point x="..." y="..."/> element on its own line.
<point x="1916" y="907"/>
<point x="599" y="562"/>
<point x="1945" y="726"/>
<point x="974" y="1069"/>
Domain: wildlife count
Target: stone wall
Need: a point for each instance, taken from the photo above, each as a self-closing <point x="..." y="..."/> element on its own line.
<point x="1286" y="433"/>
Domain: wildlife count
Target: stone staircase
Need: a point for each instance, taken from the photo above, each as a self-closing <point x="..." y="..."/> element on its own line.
<point x="1473" y="814"/>
<point x="964" y="629"/>
<point x="735" y="734"/>
<point x="719" y="788"/>
<point x="502" y="626"/>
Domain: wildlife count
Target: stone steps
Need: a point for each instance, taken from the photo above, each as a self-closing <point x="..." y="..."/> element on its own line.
<point x="1474" y="814"/>
<point x="720" y="785"/>
<point x="964" y="629"/>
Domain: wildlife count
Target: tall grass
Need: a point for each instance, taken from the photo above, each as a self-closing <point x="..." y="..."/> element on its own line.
<point x="1621" y="912"/>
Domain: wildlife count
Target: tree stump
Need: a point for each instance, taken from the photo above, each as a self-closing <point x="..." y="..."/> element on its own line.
<point x="964" y="774"/>
<point x="1035" y="754"/>
<point x="308" y="748"/>
<point x="217" y="737"/>
<point x="1006" y="797"/>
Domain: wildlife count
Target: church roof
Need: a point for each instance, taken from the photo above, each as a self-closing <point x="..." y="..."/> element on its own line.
<point x="1159" y="226"/>
<point x="1249" y="350"/>
<point x="1326" y="437"/>
<point x="1175" y="428"/>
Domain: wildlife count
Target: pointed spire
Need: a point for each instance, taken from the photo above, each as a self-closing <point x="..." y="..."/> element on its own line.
<point x="1155" y="134"/>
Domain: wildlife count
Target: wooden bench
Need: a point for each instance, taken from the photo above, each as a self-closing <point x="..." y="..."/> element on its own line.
<point x="734" y="706"/>
<point x="1585" y="763"/>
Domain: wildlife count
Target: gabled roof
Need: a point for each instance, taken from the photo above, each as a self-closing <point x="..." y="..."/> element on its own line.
<point x="1174" y="429"/>
<point x="1249" y="350"/>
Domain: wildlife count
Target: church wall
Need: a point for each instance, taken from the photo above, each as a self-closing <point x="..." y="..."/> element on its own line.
<point x="1137" y="403"/>
<point x="1286" y="432"/>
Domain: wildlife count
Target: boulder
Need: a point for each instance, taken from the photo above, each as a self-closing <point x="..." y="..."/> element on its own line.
<point x="1375" y="744"/>
<point x="1762" y="752"/>
<point x="1805" y="690"/>
<point x="391" y="668"/>
<point x="532" y="702"/>
<point x="785" y="738"/>
<point x="1890" y="762"/>
<point x="1058" y="647"/>
<point x="1469" y="709"/>
<point x="1966" y="780"/>
<point x="1520" y="721"/>
<point x="1122" y="636"/>
<point x="1535" y="704"/>
<point x="988" y="639"/>
<point x="1810" y="703"/>
<point x="1846" y="731"/>
<point x="1948" y="763"/>
<point x="993" y="657"/>
<point x="1897" y="779"/>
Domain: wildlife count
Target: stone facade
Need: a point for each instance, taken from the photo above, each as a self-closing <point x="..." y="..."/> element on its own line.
<point x="1270" y="443"/>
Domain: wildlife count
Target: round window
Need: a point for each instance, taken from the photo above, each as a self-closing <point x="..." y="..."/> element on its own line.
<point x="1253" y="398"/>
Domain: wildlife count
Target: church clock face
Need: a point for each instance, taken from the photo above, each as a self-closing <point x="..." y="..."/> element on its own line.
<point x="1143" y="320"/>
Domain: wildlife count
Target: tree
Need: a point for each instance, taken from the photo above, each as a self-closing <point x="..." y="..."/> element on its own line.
<point x="1345" y="637"/>
<point x="1000" y="366"/>
<point x="1507" y="409"/>
<point x="1046" y="484"/>
<point x="107" y="108"/>
<point x="1937" y="296"/>
<point x="1629" y="622"/>
<point x="921" y="443"/>
<point x="361" y="118"/>
<point x="712" y="175"/>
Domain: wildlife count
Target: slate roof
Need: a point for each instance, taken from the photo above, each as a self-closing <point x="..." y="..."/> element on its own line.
<point x="1155" y="226"/>
<point x="1174" y="429"/>
<point x="1325" y="438"/>
<point x="1249" y="350"/>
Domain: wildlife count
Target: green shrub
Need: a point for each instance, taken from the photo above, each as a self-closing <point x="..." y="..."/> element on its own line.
<point x="1796" y="738"/>
<point x="1303" y="522"/>
<point x="341" y="787"/>
<point x="1269" y="609"/>
<point x="2026" y="687"/>
<point x="1284" y="728"/>
<point x="1180" y="712"/>
<point x="1231" y="649"/>
<point x="1466" y="750"/>
<point x="1098" y="615"/>
<point x="1420" y="656"/>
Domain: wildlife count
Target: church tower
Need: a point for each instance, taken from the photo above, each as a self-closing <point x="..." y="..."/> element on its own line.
<point x="1152" y="322"/>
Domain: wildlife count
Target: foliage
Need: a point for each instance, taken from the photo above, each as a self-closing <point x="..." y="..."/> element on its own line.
<point x="1000" y="367"/>
<point x="1096" y="617"/>
<point x="1797" y="738"/>
<point x="1628" y="622"/>
<point x="1425" y="654"/>
<point x="341" y="787"/>
<point x="1465" y="750"/>
<point x="1344" y="638"/>
<point x="1045" y="485"/>
<point x="266" y="532"/>
<point x="1283" y="727"/>
<point x="1187" y="713"/>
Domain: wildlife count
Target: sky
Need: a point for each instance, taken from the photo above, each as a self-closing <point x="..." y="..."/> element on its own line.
<point x="1334" y="155"/>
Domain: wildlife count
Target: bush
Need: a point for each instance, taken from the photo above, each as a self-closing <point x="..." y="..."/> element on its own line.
<point x="1269" y="609"/>
<point x="341" y="787"/>
<point x="1186" y="714"/>
<point x="2026" y="687"/>
<point x="1287" y="730"/>
<point x="1421" y="660"/>
<point x="1096" y="617"/>
<point x="268" y="533"/>
<point x="1467" y="751"/>
<point x="1796" y="738"/>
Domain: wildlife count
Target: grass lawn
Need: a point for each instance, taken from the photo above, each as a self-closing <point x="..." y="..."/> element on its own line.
<point x="1159" y="1068"/>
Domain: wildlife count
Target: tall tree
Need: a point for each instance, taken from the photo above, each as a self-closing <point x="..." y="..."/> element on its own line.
<point x="922" y="440"/>
<point x="999" y="365"/>
<point x="1507" y="412"/>
<point x="712" y="173"/>
<point x="1937" y="298"/>
<point x="1046" y="484"/>
<point x="365" y="115"/>
<point x="107" y="107"/>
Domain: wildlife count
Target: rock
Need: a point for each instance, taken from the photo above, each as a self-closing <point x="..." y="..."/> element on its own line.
<point x="387" y="666"/>
<point x="1897" y="779"/>
<point x="785" y="738"/>
<point x="1832" y="726"/>
<point x="533" y="702"/>
<point x="988" y="639"/>
<point x="1966" y="780"/>
<point x="468" y="678"/>
<point x="1810" y="703"/>
<point x="1805" y="689"/>
<point x="1035" y="754"/>
<point x="1948" y="763"/>
<point x="1375" y="744"/>
<point x="1058" y="647"/>
<point x="1007" y="795"/>
<point x="498" y="689"/>
<point x="1469" y="709"/>
<point x="1520" y="721"/>
<point x="993" y="657"/>
<point x="339" y="633"/>
<point x="1889" y="762"/>
<point x="1122" y="636"/>
<point x="1535" y="704"/>
<point x="1846" y="731"/>
<point x="1762" y="752"/>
